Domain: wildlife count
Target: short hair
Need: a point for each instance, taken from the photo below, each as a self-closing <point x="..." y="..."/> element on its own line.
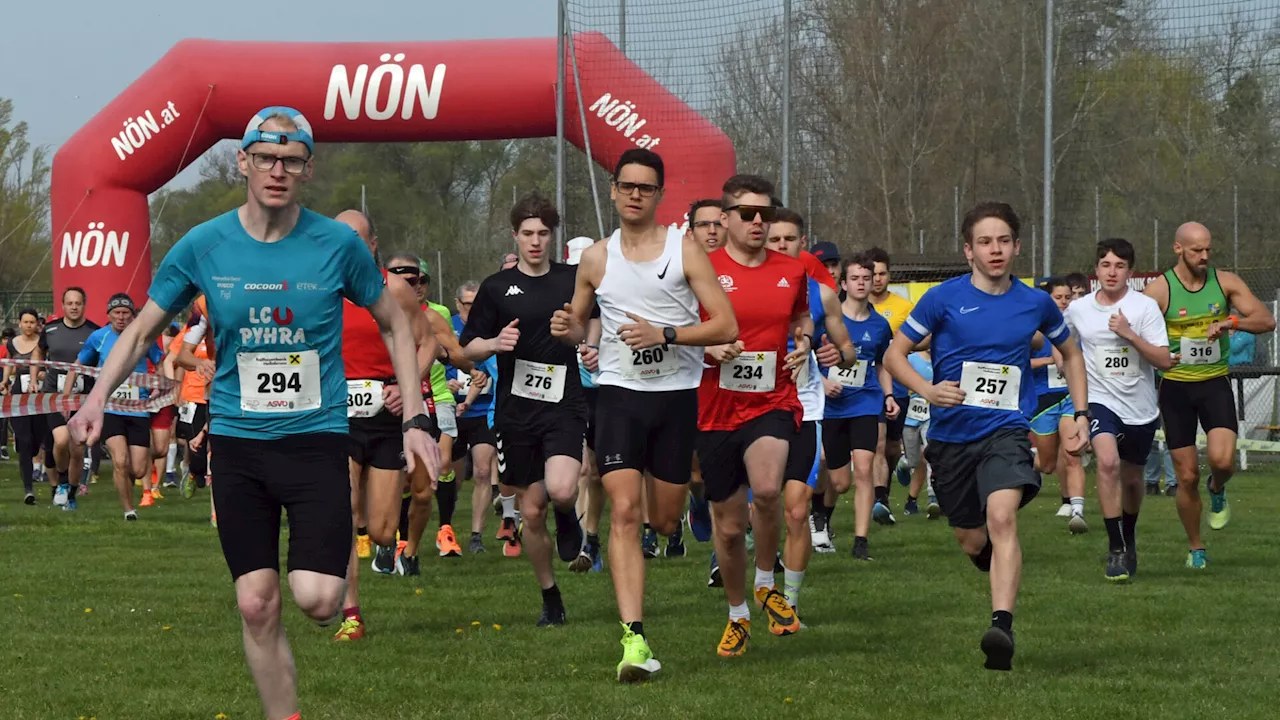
<point x="531" y="206"/>
<point x="739" y="185"/>
<point x="404" y="256"/>
<point x="641" y="156"/>
<point x="862" y="260"/>
<point x="8" y="333"/>
<point x="699" y="204"/>
<point x="1076" y="279"/>
<point x="468" y="286"/>
<point x="84" y="297"/>
<point x="877" y="255"/>
<point x="1122" y="249"/>
<point x="1053" y="283"/>
<point x="29" y="311"/>
<point x="787" y="215"/>
<point x="982" y="211"/>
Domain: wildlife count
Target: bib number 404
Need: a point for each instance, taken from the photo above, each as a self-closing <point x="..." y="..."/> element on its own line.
<point x="279" y="382"/>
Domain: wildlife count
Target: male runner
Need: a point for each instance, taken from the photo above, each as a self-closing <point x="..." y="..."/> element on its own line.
<point x="540" y="414"/>
<point x="60" y="341"/>
<point x="983" y="325"/>
<point x="786" y="235"/>
<point x="1123" y="337"/>
<point x="1054" y="413"/>
<point x="704" y="224"/>
<point x="649" y="282"/>
<point x="704" y="227"/>
<point x="274" y="275"/>
<point x="127" y="434"/>
<point x="1197" y="300"/>
<point x="894" y="308"/>
<point x="474" y="435"/>
<point x="748" y="409"/>
<point x="829" y="255"/>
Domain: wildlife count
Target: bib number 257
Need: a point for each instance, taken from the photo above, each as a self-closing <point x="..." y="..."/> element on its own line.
<point x="991" y="386"/>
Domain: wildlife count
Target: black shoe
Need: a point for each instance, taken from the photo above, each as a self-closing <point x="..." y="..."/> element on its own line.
<point x="1153" y="490"/>
<point x="569" y="535"/>
<point x="29" y="499"/>
<point x="1117" y="567"/>
<point x="713" y="579"/>
<point x="1171" y="491"/>
<point x="1131" y="560"/>
<point x="675" y="543"/>
<point x="551" y="616"/>
<point x="997" y="644"/>
<point x="777" y="564"/>
<point x="410" y="564"/>
<point x="649" y="544"/>
<point x="860" y="551"/>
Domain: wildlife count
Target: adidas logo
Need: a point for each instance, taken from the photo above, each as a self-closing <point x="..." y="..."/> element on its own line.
<point x="783" y="283"/>
<point x="514" y="290"/>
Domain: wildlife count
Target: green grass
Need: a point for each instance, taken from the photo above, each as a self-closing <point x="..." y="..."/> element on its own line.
<point x="894" y="639"/>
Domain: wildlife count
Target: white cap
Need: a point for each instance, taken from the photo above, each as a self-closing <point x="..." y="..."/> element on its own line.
<point x="576" y="247"/>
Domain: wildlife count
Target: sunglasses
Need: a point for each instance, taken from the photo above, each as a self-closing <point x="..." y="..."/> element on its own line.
<point x="748" y="213"/>
<point x="646" y="190"/>
<point x="410" y="274"/>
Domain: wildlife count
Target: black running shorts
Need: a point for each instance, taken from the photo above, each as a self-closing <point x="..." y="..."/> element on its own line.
<point x="893" y="428"/>
<point x="472" y="431"/>
<point x="592" y="396"/>
<point x="651" y="432"/>
<point x="200" y="418"/>
<point x="803" y="454"/>
<point x="135" y="430"/>
<point x="965" y="474"/>
<point x="841" y="436"/>
<point x="1208" y="402"/>
<point x="720" y="452"/>
<point x="376" y="442"/>
<point x="523" y="448"/>
<point x="305" y="475"/>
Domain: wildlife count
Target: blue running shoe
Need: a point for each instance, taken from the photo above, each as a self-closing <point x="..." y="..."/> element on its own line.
<point x="714" y="579"/>
<point x="700" y="519"/>
<point x="649" y="543"/>
<point x="881" y="514"/>
<point x="1219" y="509"/>
<point x="71" y="503"/>
<point x="1196" y="559"/>
<point x="904" y="474"/>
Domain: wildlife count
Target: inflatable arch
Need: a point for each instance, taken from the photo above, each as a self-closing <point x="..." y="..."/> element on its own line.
<point x="203" y="91"/>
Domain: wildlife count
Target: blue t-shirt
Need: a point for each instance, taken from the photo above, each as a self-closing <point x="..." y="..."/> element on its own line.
<point x="925" y="369"/>
<point x="490" y="366"/>
<point x="98" y="346"/>
<point x="872" y="337"/>
<point x="1042" y="373"/>
<point x="969" y="325"/>
<point x="275" y="311"/>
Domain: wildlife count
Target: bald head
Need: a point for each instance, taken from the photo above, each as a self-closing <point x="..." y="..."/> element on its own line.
<point x="359" y="222"/>
<point x="1191" y="232"/>
<point x="1191" y="244"/>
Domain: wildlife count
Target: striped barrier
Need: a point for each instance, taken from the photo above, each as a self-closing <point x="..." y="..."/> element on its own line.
<point x="25" y="404"/>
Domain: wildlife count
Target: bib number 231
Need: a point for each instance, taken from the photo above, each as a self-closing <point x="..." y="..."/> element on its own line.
<point x="272" y="382"/>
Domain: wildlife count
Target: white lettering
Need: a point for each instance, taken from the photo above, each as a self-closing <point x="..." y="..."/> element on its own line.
<point x="427" y="96"/>
<point x="621" y="115"/>
<point x="350" y="92"/>
<point x="137" y="131"/>
<point x="94" y="247"/>
<point x="260" y="335"/>
<point x="403" y="93"/>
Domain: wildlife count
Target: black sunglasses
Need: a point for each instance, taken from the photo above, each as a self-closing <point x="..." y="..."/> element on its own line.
<point x="748" y="213"/>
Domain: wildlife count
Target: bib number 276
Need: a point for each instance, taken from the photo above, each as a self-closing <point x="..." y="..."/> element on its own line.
<point x="537" y="382"/>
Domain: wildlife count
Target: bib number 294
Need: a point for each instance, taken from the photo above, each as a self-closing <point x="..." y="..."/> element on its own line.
<point x="273" y="382"/>
<point x="279" y="382"/>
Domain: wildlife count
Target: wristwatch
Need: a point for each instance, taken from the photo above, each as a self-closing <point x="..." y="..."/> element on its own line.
<point x="669" y="335"/>
<point x="421" y="421"/>
<point x="1083" y="414"/>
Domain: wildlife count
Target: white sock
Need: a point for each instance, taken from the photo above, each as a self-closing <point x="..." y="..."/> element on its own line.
<point x="791" y="581"/>
<point x="172" y="462"/>
<point x="1077" y="506"/>
<point x="37" y="467"/>
<point x="739" y="612"/>
<point x="508" y="506"/>
<point x="764" y="579"/>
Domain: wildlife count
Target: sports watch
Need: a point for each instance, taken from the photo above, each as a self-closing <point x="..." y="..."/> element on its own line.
<point x="669" y="335"/>
<point x="421" y="421"/>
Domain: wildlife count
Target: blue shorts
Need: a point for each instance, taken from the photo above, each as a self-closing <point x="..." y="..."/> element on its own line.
<point x="1134" y="441"/>
<point x="1052" y="407"/>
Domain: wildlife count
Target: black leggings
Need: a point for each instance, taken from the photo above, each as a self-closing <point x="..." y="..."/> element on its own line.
<point x="28" y="433"/>
<point x="198" y="462"/>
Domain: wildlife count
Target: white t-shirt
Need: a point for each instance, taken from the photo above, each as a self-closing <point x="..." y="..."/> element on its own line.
<point x="1120" y="379"/>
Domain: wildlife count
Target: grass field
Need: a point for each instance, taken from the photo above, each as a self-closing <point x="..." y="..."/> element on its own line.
<point x="108" y="620"/>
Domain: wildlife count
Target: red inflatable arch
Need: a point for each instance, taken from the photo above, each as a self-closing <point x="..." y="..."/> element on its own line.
<point x="204" y="91"/>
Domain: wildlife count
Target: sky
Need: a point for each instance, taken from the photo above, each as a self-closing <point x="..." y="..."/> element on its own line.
<point x="61" y="85"/>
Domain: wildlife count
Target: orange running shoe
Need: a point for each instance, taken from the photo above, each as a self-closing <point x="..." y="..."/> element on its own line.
<point x="446" y="543"/>
<point x="506" y="531"/>
<point x="511" y="546"/>
<point x="734" y="641"/>
<point x="782" y="617"/>
<point x="146" y="499"/>
<point x="352" y="629"/>
<point x="155" y="493"/>
<point x="400" y="546"/>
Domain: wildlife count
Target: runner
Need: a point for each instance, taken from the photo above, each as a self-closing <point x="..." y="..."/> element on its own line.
<point x="61" y="341"/>
<point x="704" y="224"/>
<point x="1053" y="414"/>
<point x="163" y="452"/>
<point x="193" y="412"/>
<point x="787" y="236"/>
<point x="1197" y="302"/>
<point x="983" y="325"/>
<point x="127" y="434"/>
<point x="706" y="228"/>
<point x="274" y="275"/>
<point x="1123" y="336"/>
<point x="540" y="413"/>
<point x="829" y="255"/>
<point x="649" y="282"/>
<point x="894" y="308"/>
<point x="28" y="430"/>
<point x="375" y="463"/>
<point x="748" y="409"/>
<point x="915" y="436"/>
<point x="857" y="397"/>
<point x="474" y="435"/>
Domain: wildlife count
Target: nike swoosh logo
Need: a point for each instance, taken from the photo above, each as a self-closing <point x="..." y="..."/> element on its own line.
<point x="663" y="274"/>
<point x="966" y="311"/>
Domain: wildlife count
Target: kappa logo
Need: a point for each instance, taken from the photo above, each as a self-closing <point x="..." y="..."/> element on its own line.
<point x="514" y="290"/>
<point x="726" y="283"/>
<point x="783" y="283"/>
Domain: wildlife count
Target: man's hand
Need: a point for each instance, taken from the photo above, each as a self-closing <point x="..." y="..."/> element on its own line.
<point x="507" y="339"/>
<point x="1217" y="330"/>
<point x="391" y="399"/>
<point x="1077" y="442"/>
<point x="721" y="354"/>
<point x="462" y="408"/>
<point x="945" y="394"/>
<point x="640" y="334"/>
<point x="590" y="357"/>
<point x="479" y="379"/>
<point x="86" y="425"/>
<point x="1119" y="324"/>
<point x="828" y="353"/>
<point x="454" y="386"/>
<point x="207" y="369"/>
<point x="831" y="387"/>
<point x="419" y="447"/>
<point x="563" y="323"/>
<point x="891" y="408"/>
<point x="800" y="356"/>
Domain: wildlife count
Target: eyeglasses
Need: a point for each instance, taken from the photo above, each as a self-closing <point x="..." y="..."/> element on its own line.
<point x="748" y="213"/>
<point x="707" y="224"/>
<point x="267" y="161"/>
<point x="462" y="303"/>
<point x="626" y="188"/>
<point x="410" y="274"/>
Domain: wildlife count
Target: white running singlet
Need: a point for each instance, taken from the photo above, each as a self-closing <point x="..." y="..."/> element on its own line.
<point x="658" y="292"/>
<point x="1120" y="379"/>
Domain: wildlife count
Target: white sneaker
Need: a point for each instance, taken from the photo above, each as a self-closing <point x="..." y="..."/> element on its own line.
<point x="822" y="542"/>
<point x="1064" y="510"/>
<point x="60" y="497"/>
<point x="1077" y="524"/>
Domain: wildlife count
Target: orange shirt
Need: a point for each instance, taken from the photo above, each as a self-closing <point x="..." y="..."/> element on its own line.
<point x="193" y="383"/>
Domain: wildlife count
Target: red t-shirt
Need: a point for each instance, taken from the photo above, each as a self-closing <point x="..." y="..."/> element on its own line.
<point x="764" y="299"/>
<point x="816" y="269"/>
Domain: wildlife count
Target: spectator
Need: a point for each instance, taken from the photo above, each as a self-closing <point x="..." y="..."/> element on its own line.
<point x="1242" y="347"/>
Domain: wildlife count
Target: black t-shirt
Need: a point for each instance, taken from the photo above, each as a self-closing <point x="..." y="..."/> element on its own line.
<point x="512" y="295"/>
<point x="60" y="343"/>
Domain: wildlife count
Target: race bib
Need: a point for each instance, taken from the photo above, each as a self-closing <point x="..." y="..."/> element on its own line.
<point x="648" y="364"/>
<point x="991" y="385"/>
<point x="1199" y="351"/>
<point x="753" y="372"/>
<point x="76" y="387"/>
<point x="538" y="381"/>
<point x="364" y="398"/>
<point x="918" y="409"/>
<point x="802" y="377"/>
<point x="1116" y="362"/>
<point x="24" y="382"/>
<point x="1057" y="381"/>
<point x="465" y="379"/>
<point x="854" y="377"/>
<point x="187" y="412"/>
<point x="126" y="392"/>
<point x="279" y="382"/>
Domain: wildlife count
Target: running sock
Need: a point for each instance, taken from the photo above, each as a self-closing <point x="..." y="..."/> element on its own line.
<point x="1129" y="529"/>
<point x="791" y="581"/>
<point x="1114" y="535"/>
<point x="593" y="540"/>
<point x="647" y="529"/>
<point x="882" y="495"/>
<point x="353" y="611"/>
<point x="982" y="560"/>
<point x="362" y="531"/>
<point x="405" y="501"/>
<point x="551" y="598"/>
<point x="1077" y="506"/>
<point x="739" y="612"/>
<point x="1002" y="619"/>
<point x="764" y="578"/>
<point x="912" y="498"/>
<point x="819" y="505"/>
<point x="1066" y="500"/>
<point x="636" y="627"/>
<point x="446" y="498"/>
<point x="508" y="506"/>
<point x="171" y="461"/>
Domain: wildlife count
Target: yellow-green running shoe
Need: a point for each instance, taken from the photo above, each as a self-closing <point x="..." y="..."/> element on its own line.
<point x="1196" y="560"/>
<point x="1219" y="509"/>
<point x="637" y="659"/>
